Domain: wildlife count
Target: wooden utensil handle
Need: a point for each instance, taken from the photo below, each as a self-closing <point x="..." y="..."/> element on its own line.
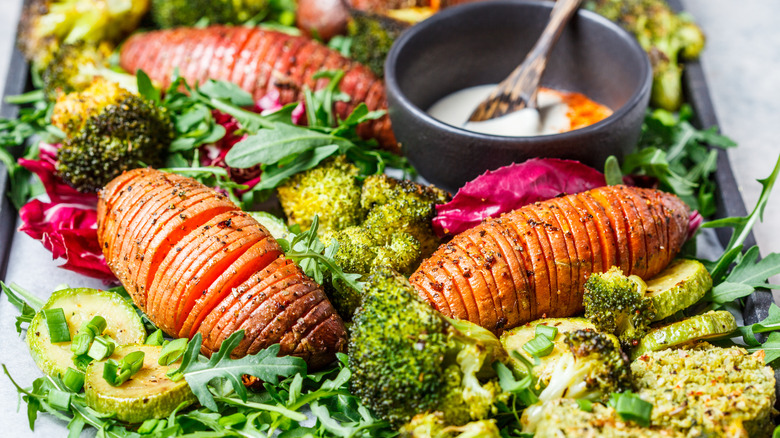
<point x="519" y="89"/>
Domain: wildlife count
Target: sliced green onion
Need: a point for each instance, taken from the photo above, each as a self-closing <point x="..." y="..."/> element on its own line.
<point x="232" y="420"/>
<point x="81" y="361"/>
<point x="73" y="379"/>
<point x="172" y="351"/>
<point x="110" y="369"/>
<point x="126" y="368"/>
<point x="59" y="400"/>
<point x="81" y="342"/>
<point x="539" y="346"/>
<point x="101" y="348"/>
<point x="631" y="407"/>
<point x="97" y="325"/>
<point x="58" y="326"/>
<point x="549" y="331"/>
<point x="155" y="338"/>
<point x="149" y="426"/>
<point x="585" y="405"/>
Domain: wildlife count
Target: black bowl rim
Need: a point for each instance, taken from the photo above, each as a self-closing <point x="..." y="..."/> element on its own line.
<point x="392" y="85"/>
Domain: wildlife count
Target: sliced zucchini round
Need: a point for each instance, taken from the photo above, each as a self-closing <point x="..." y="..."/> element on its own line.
<point x="710" y="325"/>
<point x="680" y="285"/>
<point x="124" y="325"/>
<point x="148" y="394"/>
<point x="273" y="224"/>
<point x="513" y="340"/>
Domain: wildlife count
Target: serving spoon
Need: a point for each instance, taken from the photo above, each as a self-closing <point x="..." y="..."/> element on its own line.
<point x="519" y="90"/>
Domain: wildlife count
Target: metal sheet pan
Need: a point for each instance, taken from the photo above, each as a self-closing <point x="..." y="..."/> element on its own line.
<point x="729" y="202"/>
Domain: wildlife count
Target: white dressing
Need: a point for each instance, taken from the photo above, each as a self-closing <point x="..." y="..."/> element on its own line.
<point x="551" y="118"/>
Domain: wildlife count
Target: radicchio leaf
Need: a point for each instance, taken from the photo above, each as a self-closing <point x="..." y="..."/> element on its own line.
<point x="511" y="187"/>
<point x="67" y="224"/>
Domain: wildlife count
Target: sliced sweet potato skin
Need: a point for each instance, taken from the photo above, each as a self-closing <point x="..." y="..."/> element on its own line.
<point x="560" y="242"/>
<point x="179" y="248"/>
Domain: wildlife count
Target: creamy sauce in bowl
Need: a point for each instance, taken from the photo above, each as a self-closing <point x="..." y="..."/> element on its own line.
<point x="559" y="111"/>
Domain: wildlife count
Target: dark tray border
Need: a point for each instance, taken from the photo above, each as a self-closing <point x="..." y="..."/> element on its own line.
<point x="729" y="197"/>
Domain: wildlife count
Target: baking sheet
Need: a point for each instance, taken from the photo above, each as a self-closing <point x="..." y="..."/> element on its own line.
<point x="25" y="261"/>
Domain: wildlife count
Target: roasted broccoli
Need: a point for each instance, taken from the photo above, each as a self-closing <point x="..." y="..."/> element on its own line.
<point x="175" y="13"/>
<point x="616" y="304"/>
<point x="664" y="34"/>
<point x="432" y="425"/>
<point x="330" y="191"/>
<point x="373" y="33"/>
<point x="109" y="130"/>
<point x="408" y="359"/>
<point x="703" y="390"/>
<point x="401" y="206"/>
<point x="565" y="418"/>
<point x="75" y="66"/>
<point x="595" y="368"/>
<point x="46" y="24"/>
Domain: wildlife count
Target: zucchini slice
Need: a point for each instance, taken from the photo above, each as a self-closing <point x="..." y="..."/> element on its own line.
<point x="124" y="325"/>
<point x="513" y="340"/>
<point x="148" y="394"/>
<point x="273" y="224"/>
<point x="680" y="285"/>
<point x="710" y="325"/>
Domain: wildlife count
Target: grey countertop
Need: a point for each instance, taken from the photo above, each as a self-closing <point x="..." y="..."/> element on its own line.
<point x="741" y="62"/>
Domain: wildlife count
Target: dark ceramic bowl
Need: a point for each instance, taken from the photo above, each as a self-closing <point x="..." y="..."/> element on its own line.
<point x="480" y="43"/>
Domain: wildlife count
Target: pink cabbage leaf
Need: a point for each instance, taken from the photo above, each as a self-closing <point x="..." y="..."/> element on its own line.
<point x="511" y="187"/>
<point x="66" y="225"/>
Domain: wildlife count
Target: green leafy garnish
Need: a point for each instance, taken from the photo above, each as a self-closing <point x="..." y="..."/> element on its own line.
<point x="672" y="150"/>
<point x="27" y="303"/>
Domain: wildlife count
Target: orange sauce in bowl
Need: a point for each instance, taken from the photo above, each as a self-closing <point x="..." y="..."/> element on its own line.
<point x="583" y="111"/>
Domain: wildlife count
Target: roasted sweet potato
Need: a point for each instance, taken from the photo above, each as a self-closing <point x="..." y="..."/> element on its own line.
<point x="533" y="262"/>
<point x="261" y="62"/>
<point x="193" y="262"/>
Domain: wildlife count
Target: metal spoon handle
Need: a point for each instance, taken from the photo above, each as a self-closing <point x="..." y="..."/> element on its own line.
<point x="519" y="89"/>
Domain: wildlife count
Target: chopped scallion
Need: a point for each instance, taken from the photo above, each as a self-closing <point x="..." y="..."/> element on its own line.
<point x="549" y="331"/>
<point x="58" y="326"/>
<point x="81" y="342"/>
<point x="117" y="373"/>
<point x="97" y="325"/>
<point x="101" y="348"/>
<point x="631" y="407"/>
<point x="59" y="400"/>
<point x="155" y="338"/>
<point x="172" y="351"/>
<point x="539" y="346"/>
<point x="585" y="405"/>
<point x="81" y="361"/>
<point x="73" y="379"/>
<point x="150" y="426"/>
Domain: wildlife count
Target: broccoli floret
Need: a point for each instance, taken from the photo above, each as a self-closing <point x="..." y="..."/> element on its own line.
<point x="75" y="66"/>
<point x="399" y="205"/>
<point x="406" y="358"/>
<point x="432" y="425"/>
<point x="175" y="13"/>
<point x="564" y="418"/>
<point x="46" y="24"/>
<point x="664" y="34"/>
<point x="595" y="368"/>
<point x="616" y="304"/>
<point x="703" y="390"/>
<point x="109" y="130"/>
<point x="330" y="191"/>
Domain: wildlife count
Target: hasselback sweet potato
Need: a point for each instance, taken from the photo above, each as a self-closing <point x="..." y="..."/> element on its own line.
<point x="533" y="262"/>
<point x="261" y="62"/>
<point x="193" y="262"/>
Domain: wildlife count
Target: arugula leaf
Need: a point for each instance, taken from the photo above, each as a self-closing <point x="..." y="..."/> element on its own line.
<point x="146" y="89"/>
<point x="612" y="172"/>
<point x="265" y="365"/>
<point x="270" y="146"/>
<point x="771" y="348"/>
<point x="315" y="259"/>
<point x="27" y="303"/>
<point x="229" y="91"/>
<point x="673" y="151"/>
<point x="742" y="227"/>
<point x="768" y="324"/>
